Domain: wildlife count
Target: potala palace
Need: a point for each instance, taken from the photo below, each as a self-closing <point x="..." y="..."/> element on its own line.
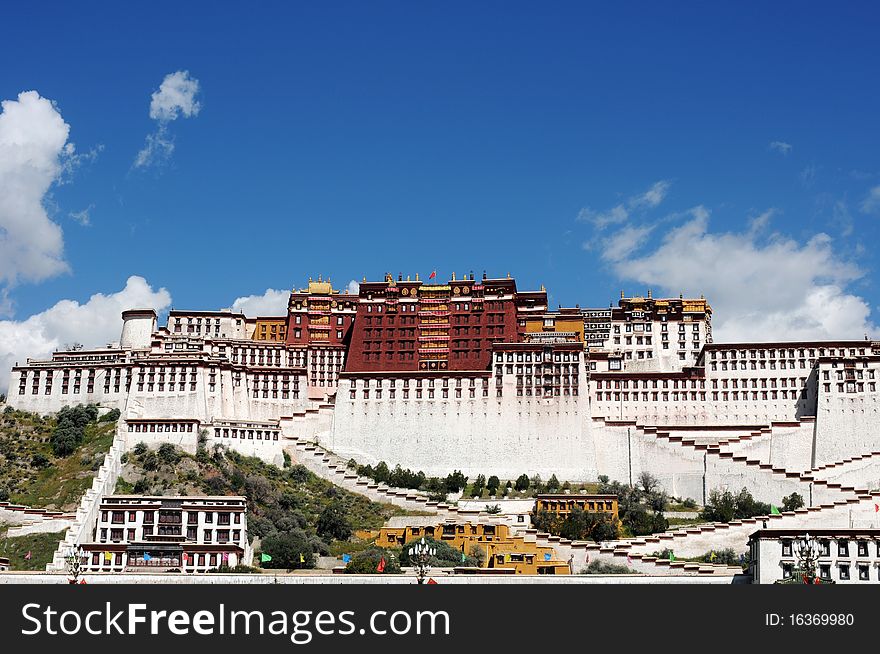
<point x="477" y="375"/>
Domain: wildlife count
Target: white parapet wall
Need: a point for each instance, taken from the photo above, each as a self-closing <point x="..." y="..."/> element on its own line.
<point x="104" y="483"/>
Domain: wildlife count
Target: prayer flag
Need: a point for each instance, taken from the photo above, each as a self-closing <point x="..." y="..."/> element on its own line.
<point x="302" y="559"/>
<point x="147" y="556"/>
<point x="671" y="556"/>
<point x="431" y="581"/>
<point x="432" y="275"/>
<point x="108" y="556"/>
<point x="712" y="556"/>
<point x="265" y="558"/>
<point x="463" y="557"/>
<point x="225" y="556"/>
<point x="346" y="558"/>
<point x="773" y="510"/>
<point x="27" y="556"/>
<point x="185" y="557"/>
<point x="381" y="566"/>
<point x="629" y="560"/>
<point x="546" y="556"/>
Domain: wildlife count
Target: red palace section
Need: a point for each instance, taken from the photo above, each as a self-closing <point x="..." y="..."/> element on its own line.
<point x="410" y="325"/>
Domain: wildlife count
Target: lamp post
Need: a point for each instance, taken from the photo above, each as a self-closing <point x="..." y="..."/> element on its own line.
<point x="420" y="554"/>
<point x="808" y="556"/>
<point x="73" y="561"/>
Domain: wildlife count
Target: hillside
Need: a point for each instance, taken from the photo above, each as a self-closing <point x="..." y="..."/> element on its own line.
<point x="33" y="475"/>
<point x="290" y="503"/>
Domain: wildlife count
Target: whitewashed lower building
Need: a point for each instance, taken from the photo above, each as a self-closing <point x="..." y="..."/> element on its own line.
<point x="842" y="556"/>
<point x="189" y="534"/>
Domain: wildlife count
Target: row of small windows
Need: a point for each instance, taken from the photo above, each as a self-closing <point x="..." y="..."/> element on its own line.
<point x="500" y="357"/>
<point x="772" y="353"/>
<point x="246" y="434"/>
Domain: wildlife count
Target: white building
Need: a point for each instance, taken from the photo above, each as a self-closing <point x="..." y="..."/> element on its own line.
<point x="190" y="534"/>
<point x="845" y="556"/>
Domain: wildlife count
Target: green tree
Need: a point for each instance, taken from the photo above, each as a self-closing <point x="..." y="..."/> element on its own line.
<point x="289" y="551"/>
<point x="522" y="483"/>
<point x="168" y="454"/>
<point x="493" y="484"/>
<point x="792" y="502"/>
<point x="478" y="486"/>
<point x="367" y="562"/>
<point x="455" y="482"/>
<point x="333" y="522"/>
<point x="552" y="484"/>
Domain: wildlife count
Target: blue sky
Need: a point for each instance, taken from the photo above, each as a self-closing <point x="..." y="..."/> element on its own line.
<point x="350" y="139"/>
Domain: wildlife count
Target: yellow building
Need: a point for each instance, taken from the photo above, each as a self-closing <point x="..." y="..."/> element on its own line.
<point x="565" y="324"/>
<point x="563" y="503"/>
<point x="502" y="550"/>
<point x="271" y="329"/>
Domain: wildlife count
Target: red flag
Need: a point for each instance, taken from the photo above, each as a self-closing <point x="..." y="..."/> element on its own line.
<point x="185" y="557"/>
<point x="876" y="508"/>
<point x="431" y="581"/>
<point x="432" y="275"/>
<point x="27" y="556"/>
<point x="381" y="566"/>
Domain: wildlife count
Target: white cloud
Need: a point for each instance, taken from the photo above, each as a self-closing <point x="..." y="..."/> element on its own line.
<point x="271" y="303"/>
<point x="353" y="287"/>
<point x="83" y="217"/>
<point x="176" y="97"/>
<point x="620" y="213"/>
<point x="34" y="155"/>
<point x="624" y="242"/>
<point x="652" y="197"/>
<point x="780" y="146"/>
<point x="760" y="288"/>
<point x="93" y="323"/>
<point x="871" y="203"/>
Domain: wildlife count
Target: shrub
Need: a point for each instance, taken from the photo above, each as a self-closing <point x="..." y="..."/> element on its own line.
<point x="333" y="522"/>
<point x="39" y="461"/>
<point x="140" y="449"/>
<point x="725" y="506"/>
<point x="290" y="550"/>
<point x="602" y="568"/>
<point x="478" y="486"/>
<point x="149" y="461"/>
<point x="367" y="562"/>
<point x="492" y="509"/>
<point x="792" y="502"/>
<point x="168" y="454"/>
<point x="141" y="487"/>
<point x="237" y="569"/>
<point x="689" y="503"/>
<point x="298" y="473"/>
<point x="287" y="459"/>
<point x="4" y="493"/>
<point x="492" y="485"/>
<point x="455" y="482"/>
<point x="111" y="416"/>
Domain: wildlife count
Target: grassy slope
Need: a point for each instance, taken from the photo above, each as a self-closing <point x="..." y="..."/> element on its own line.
<point x="41" y="546"/>
<point x="59" y="485"/>
<point x="271" y="491"/>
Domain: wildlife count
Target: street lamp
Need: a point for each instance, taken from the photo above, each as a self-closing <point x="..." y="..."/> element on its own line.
<point x="808" y="557"/>
<point x="420" y="554"/>
<point x="73" y="561"/>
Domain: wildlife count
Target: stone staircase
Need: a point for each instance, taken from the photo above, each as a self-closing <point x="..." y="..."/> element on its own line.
<point x="333" y="468"/>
